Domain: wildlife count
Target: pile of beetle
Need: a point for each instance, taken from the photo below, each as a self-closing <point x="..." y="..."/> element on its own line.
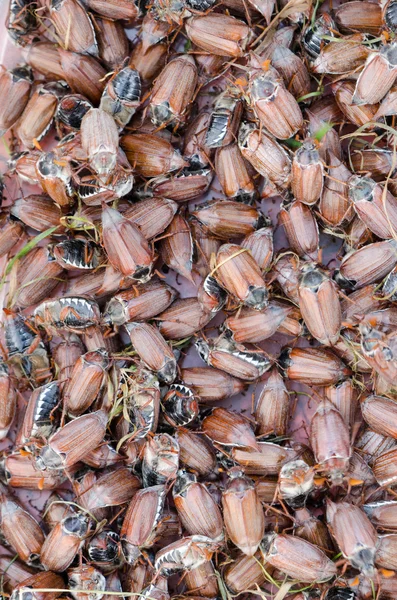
<point x="146" y="164"/>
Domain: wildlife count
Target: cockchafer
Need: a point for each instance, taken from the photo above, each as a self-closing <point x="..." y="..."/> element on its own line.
<point x="313" y="39"/>
<point x="86" y="381"/>
<point x="176" y="247"/>
<point x="266" y="156"/>
<point x="260" y="244"/>
<point x="8" y="400"/>
<point x="244" y="573"/>
<point x="150" y="155"/>
<point x="358" y="17"/>
<point x="39" y="112"/>
<point x="179" y="406"/>
<point x="296" y="482"/>
<point x="141" y="303"/>
<point x="379" y="414"/>
<point x="20" y="529"/>
<point x="143" y="516"/>
<point x="307" y="173"/>
<point x="26" y="590"/>
<point x="315" y="366"/>
<point x="126" y="248"/>
<point x="344" y="397"/>
<point x="274" y="106"/>
<point x="26" y="352"/>
<point x="367" y="265"/>
<point x="160" y="459"/>
<point x="85" y="579"/>
<point x="44" y="58"/>
<point x="173" y="91"/>
<point x="71" y="110"/>
<point x="122" y="95"/>
<point x="354" y="534"/>
<point x="301" y="229"/>
<point x="64" y="541"/>
<point x="311" y="529"/>
<point x="55" y="178"/>
<point x="15" y="85"/>
<point x="233" y="175"/>
<point x="211" y="296"/>
<point x="237" y="271"/>
<point x="266" y="459"/>
<point x="383" y="514"/>
<point x="297" y="558"/>
<point x="152" y="215"/>
<point x="140" y="392"/>
<point x="37" y="211"/>
<point x="113" y="488"/>
<point x="112" y="9"/>
<point x="67" y="445"/>
<point x="358" y="114"/>
<point x="197" y="510"/>
<point x="377" y="161"/>
<point x="195" y="452"/>
<point x="233" y="358"/>
<point x="56" y="509"/>
<point x="78" y="254"/>
<point x="272" y="408"/>
<point x="11" y="232"/>
<point x="343" y="55"/>
<point x="383" y="66"/>
<point x="14" y="571"/>
<point x="330" y="440"/>
<point x="73" y="313"/>
<point x="186" y="316"/>
<point x="335" y="207"/>
<point x="243" y="512"/>
<point x="194" y="147"/>
<point x="183" y="186"/>
<point x="389" y="288"/>
<point x="385" y="556"/>
<point x="224" y="120"/>
<point x="319" y="304"/>
<point x="380" y="351"/>
<point x="21" y="21"/>
<point x="228" y="218"/>
<point x="185" y="554"/>
<point x="84" y="74"/>
<point x="80" y="37"/>
<point x="102" y="457"/>
<point x="39" y="421"/>
<point x="218" y="34"/>
<point x="292" y="69"/>
<point x="376" y="207"/>
<point x="202" y="580"/>
<point x="286" y="271"/>
<point x="18" y="470"/>
<point x="229" y="429"/>
<point x="100" y="140"/>
<point x="370" y="445"/>
<point x="254" y="326"/>
<point x="153" y="350"/>
<point x="211" y="384"/>
<point x="103" y="549"/>
<point x="113" y="43"/>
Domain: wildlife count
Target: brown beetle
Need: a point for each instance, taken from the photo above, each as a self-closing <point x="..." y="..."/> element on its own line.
<point x="15" y="85"/>
<point x="21" y="530"/>
<point x="297" y="558"/>
<point x="64" y="541"/>
<point x="243" y="513"/>
<point x="197" y="510"/>
<point x="329" y="438"/>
